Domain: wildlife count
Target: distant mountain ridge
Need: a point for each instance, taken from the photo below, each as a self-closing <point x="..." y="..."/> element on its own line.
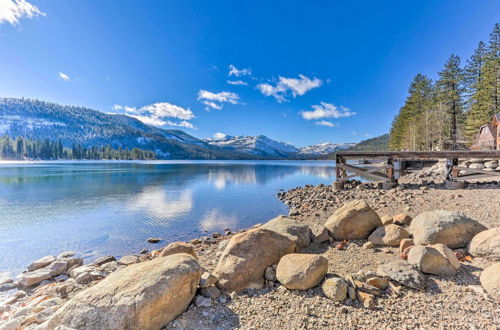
<point x="79" y="125"/>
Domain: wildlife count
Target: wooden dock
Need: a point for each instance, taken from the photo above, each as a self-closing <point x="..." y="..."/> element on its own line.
<point x="391" y="164"/>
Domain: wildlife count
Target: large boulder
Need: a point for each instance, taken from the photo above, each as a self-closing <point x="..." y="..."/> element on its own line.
<point x="435" y="259"/>
<point x="146" y="295"/>
<point x="298" y="232"/>
<point x="246" y="257"/>
<point x="440" y="226"/>
<point x="299" y="271"/>
<point x="486" y="244"/>
<point x="402" y="272"/>
<point x="354" y="220"/>
<point x="388" y="235"/>
<point x="490" y="280"/>
<point x="41" y="263"/>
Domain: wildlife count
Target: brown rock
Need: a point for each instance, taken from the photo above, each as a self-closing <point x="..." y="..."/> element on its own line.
<point x="354" y="220"/>
<point x="378" y="282"/>
<point x="319" y="234"/>
<point x="178" y="247"/>
<point x="490" y="280"/>
<point x="436" y="259"/>
<point x="486" y="244"/>
<point x="246" y="257"/>
<point x="386" y="219"/>
<point x="147" y="295"/>
<point x="299" y="271"/>
<point x="129" y="260"/>
<point x="297" y="231"/>
<point x="402" y="219"/>
<point x="366" y="299"/>
<point x="405" y="243"/>
<point x="388" y="235"/>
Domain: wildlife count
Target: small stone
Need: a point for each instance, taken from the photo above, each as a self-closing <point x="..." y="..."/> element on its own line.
<point x="154" y="240"/>
<point x="210" y="292"/>
<point x="366" y="299"/>
<point x="67" y="254"/>
<point x="178" y="247"/>
<point x="386" y="220"/>
<point x="104" y="260"/>
<point x="128" y="260"/>
<point x="201" y="301"/>
<point x="294" y="212"/>
<point x="368" y="245"/>
<point x="402" y="219"/>
<point x="41" y="263"/>
<point x="378" y="282"/>
<point x="233" y="295"/>
<point x="335" y="288"/>
<point x="207" y="279"/>
<point x="216" y="235"/>
<point x="352" y="293"/>
<point x="270" y="274"/>
<point x="405" y="242"/>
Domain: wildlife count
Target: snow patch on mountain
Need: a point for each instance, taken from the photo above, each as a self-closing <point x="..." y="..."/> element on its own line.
<point x="325" y="148"/>
<point x="257" y="145"/>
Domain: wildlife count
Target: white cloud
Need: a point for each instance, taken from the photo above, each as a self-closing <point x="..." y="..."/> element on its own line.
<point x="63" y="76"/>
<point x="326" y="110"/>
<point x="237" y="82"/>
<point x="219" y="135"/>
<point x="233" y="71"/>
<point x="289" y="86"/>
<point x="326" y="123"/>
<point x="157" y="114"/>
<point x="216" y="100"/>
<point x="11" y="11"/>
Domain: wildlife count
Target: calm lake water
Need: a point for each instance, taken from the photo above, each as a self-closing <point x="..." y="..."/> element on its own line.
<point x="100" y="208"/>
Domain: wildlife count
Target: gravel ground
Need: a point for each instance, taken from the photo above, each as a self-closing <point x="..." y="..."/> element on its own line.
<point x="455" y="302"/>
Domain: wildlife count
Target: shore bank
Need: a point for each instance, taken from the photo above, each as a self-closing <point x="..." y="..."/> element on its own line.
<point x="456" y="301"/>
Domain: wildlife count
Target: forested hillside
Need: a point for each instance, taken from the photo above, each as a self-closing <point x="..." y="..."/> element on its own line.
<point x="378" y="143"/>
<point x="447" y="113"/>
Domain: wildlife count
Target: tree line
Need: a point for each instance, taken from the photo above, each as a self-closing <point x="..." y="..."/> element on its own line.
<point x="446" y="114"/>
<point x="24" y="148"/>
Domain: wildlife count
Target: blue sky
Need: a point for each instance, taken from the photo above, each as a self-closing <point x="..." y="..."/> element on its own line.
<point x="302" y="72"/>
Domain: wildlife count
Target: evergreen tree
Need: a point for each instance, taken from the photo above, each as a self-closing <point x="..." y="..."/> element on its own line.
<point x="450" y="94"/>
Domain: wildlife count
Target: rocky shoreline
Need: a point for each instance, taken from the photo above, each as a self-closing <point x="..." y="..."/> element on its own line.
<point x="363" y="257"/>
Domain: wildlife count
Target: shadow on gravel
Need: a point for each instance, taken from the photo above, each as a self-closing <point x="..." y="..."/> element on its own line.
<point x="465" y="276"/>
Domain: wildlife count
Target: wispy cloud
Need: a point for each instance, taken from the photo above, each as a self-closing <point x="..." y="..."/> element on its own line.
<point x="326" y="110"/>
<point x="216" y="100"/>
<point x="237" y="82"/>
<point x="11" y="11"/>
<point x="287" y="87"/>
<point x="326" y="123"/>
<point x="233" y="71"/>
<point x="63" y="76"/>
<point x="159" y="114"/>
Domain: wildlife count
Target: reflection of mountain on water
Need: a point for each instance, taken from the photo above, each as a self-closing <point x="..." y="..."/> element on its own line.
<point x="261" y="174"/>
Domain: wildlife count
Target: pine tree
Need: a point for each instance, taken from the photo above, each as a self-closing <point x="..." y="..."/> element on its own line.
<point x="450" y="95"/>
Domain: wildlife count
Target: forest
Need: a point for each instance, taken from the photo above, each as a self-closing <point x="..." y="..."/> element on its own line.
<point x="23" y="148"/>
<point x="446" y="114"/>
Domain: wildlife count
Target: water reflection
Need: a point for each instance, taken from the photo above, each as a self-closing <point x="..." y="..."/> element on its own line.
<point x="112" y="208"/>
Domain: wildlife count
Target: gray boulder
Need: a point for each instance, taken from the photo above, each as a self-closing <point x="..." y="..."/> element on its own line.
<point x="402" y="272"/>
<point x="452" y="229"/>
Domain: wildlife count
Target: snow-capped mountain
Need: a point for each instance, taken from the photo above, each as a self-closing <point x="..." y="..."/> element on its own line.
<point x="325" y="148"/>
<point x="256" y="145"/>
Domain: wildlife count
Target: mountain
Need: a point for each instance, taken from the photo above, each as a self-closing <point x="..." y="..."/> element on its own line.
<point x="78" y="125"/>
<point x="325" y="148"/>
<point x="72" y="125"/>
<point x="378" y="143"/>
<point x="256" y="145"/>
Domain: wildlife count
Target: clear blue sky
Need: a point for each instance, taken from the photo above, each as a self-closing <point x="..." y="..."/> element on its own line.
<point x="312" y="64"/>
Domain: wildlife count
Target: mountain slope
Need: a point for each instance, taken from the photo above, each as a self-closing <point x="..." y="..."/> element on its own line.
<point x="325" y="148"/>
<point x="256" y="145"/>
<point x="378" y="143"/>
<point x="78" y="125"/>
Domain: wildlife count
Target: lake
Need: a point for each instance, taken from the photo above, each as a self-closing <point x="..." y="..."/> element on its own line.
<point x="101" y="208"/>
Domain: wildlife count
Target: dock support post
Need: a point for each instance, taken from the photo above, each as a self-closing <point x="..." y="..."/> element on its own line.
<point x="340" y="173"/>
<point x="452" y="174"/>
<point x="392" y="182"/>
